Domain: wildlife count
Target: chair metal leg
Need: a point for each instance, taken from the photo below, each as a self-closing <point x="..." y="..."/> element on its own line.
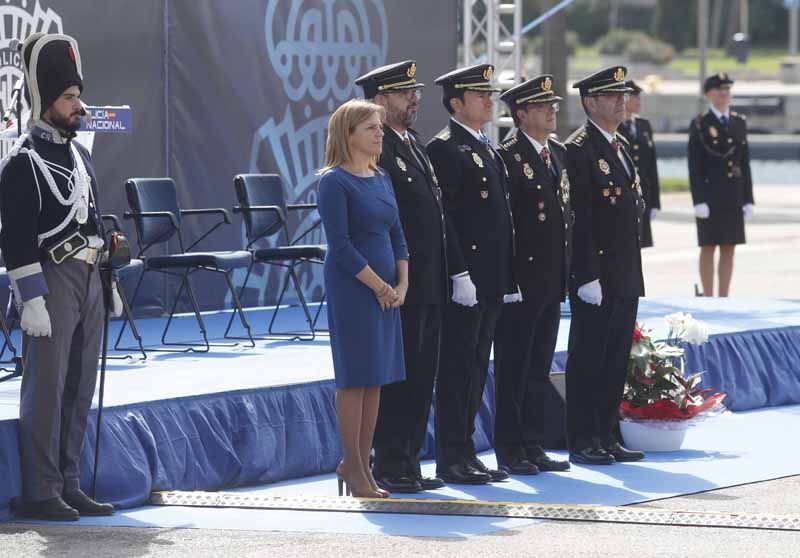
<point x="294" y="336"/>
<point x="128" y="313"/>
<point x="237" y="307"/>
<point x="15" y="359"/>
<point x="198" y="316"/>
<point x="241" y="293"/>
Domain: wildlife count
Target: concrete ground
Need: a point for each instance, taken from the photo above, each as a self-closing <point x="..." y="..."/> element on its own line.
<point x="767" y="266"/>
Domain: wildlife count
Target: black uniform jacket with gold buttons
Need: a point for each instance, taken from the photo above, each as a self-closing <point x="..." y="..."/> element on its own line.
<point x="421" y="214"/>
<point x="540" y="203"/>
<point x="643" y="153"/>
<point x="608" y="205"/>
<point x="719" y="162"/>
<point x="474" y="185"/>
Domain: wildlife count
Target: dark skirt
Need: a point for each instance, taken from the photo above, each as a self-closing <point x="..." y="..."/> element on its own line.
<point x="723" y="227"/>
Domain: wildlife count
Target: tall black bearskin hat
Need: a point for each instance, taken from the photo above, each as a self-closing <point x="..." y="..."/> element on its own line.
<point x="52" y="64"/>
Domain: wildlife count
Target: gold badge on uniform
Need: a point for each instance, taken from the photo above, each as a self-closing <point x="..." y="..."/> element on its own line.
<point x="526" y="168"/>
<point x="401" y="164"/>
<point x="517" y="157"/>
<point x="619" y="75"/>
<point x="547" y="84"/>
<point x="712" y="131"/>
<point x="477" y="159"/>
<point x="487" y="73"/>
<point x="412" y="70"/>
<point x="603" y="164"/>
<point x="484" y="194"/>
<point x="606" y="192"/>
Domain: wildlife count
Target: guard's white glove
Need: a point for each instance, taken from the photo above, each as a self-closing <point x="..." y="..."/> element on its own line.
<point x="35" y="319"/>
<point x="514" y="297"/>
<point x="654" y="211"/>
<point x="591" y="293"/>
<point x="116" y="302"/>
<point x="701" y="211"/>
<point x="464" y="291"/>
<point x="748" y="209"/>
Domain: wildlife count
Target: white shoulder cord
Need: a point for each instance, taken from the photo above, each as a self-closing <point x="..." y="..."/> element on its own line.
<point x="77" y="200"/>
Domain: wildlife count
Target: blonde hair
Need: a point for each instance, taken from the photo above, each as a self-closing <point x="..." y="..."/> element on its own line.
<point x="341" y="126"/>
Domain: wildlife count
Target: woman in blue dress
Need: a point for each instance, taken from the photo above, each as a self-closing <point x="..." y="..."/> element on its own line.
<point x="366" y="279"/>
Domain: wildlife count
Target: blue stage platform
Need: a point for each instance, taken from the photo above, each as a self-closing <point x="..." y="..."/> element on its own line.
<point x="237" y="417"/>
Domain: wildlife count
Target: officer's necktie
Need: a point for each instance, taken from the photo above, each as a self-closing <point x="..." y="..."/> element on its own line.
<point x="545" y="155"/>
<point x="407" y="141"/>
<point x="724" y="120"/>
<point x="618" y="148"/>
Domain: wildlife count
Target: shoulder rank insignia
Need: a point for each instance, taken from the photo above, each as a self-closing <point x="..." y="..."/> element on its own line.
<point x="603" y="164"/>
<point x="444" y="134"/>
<point x="712" y="131"/>
<point x="526" y="168"/>
<point x="401" y="164"/>
<point x="579" y="137"/>
<point x="517" y="157"/>
<point x="477" y="159"/>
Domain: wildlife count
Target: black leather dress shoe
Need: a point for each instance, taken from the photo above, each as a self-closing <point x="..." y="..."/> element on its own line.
<point x="624" y="454"/>
<point x="461" y="473"/>
<point x="495" y="474"/>
<point x="54" y="509"/>
<point x="404" y="485"/>
<point x="85" y="505"/>
<point x="544" y="462"/>
<point x="430" y="483"/>
<point x="519" y="466"/>
<point x="591" y="456"/>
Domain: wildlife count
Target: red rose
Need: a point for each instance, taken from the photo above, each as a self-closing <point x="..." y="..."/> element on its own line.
<point x="637" y="333"/>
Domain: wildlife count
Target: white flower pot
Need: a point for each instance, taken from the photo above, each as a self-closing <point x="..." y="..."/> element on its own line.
<point x="653" y="435"/>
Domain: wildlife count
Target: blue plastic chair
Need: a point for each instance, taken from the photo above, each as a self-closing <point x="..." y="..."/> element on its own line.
<point x="157" y="216"/>
<point x="264" y="210"/>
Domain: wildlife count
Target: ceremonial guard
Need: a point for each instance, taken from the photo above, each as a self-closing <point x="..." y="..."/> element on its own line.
<point x="639" y="133"/>
<point x="52" y="237"/>
<point x="474" y="183"/>
<point x="721" y="183"/>
<point x="606" y="273"/>
<point x="527" y="331"/>
<point x="405" y="406"/>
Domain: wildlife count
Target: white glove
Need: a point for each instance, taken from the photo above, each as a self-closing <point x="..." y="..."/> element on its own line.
<point x="35" y="319"/>
<point x="591" y="293"/>
<point x="464" y="291"/>
<point x="654" y="211"/>
<point x="514" y="297"/>
<point x="116" y="302"/>
<point x="748" y="209"/>
<point x="701" y="211"/>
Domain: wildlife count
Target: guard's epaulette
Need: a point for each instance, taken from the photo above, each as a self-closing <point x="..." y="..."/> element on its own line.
<point x="443" y="135"/>
<point x="578" y="137"/>
<point x="739" y="115"/>
<point x="698" y="121"/>
<point x="508" y="143"/>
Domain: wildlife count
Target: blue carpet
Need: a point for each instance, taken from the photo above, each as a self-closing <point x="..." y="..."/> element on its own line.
<point x="725" y="451"/>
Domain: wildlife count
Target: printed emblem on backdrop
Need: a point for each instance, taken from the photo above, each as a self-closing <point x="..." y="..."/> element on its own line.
<point x="18" y="19"/>
<point x="316" y="48"/>
<point x="603" y="164"/>
<point x="401" y="164"/>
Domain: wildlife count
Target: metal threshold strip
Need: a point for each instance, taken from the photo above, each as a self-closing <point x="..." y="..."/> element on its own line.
<point x="520" y="510"/>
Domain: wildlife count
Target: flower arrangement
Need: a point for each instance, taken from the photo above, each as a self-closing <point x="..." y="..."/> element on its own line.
<point x="656" y="388"/>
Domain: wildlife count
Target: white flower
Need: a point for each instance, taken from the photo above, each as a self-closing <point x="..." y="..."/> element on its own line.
<point x="675" y="322"/>
<point x="694" y="332"/>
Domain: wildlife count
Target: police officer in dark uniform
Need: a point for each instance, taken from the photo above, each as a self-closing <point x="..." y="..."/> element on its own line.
<point x="405" y="406"/>
<point x="474" y="183"/>
<point x="606" y="274"/>
<point x="721" y="183"/>
<point x="527" y="331"/>
<point x="52" y="237"/>
<point x="639" y="133"/>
